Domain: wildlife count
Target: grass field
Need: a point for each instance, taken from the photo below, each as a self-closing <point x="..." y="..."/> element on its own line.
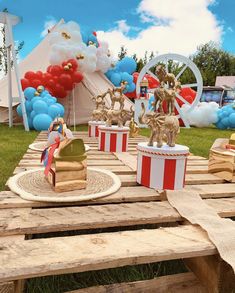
<point x="13" y="144"/>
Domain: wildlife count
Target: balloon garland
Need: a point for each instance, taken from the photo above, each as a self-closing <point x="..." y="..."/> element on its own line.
<point x="58" y="80"/>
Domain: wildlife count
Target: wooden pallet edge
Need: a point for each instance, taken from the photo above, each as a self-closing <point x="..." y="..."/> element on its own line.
<point x="177" y="283"/>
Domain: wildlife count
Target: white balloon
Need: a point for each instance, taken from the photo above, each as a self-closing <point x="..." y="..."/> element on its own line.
<point x="203" y="115"/>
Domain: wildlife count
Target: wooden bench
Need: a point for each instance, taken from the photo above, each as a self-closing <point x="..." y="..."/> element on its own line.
<point x="22" y="258"/>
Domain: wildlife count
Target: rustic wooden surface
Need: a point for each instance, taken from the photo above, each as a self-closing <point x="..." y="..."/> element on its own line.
<point x="132" y="205"/>
<point x="180" y="283"/>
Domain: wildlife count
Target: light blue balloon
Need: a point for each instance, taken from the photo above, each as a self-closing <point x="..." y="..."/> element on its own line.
<point x="109" y="73"/>
<point x="44" y="93"/>
<point x="231" y="119"/>
<point x="19" y="110"/>
<point x="220" y="125"/>
<point x="28" y="106"/>
<point x="54" y="99"/>
<point x="40" y="107"/>
<point x="127" y="77"/>
<point x="126" y="89"/>
<point x="131" y="87"/>
<point x="54" y="111"/>
<point x="30" y="122"/>
<point x="127" y="64"/>
<point x="116" y="79"/>
<point x="33" y="114"/>
<point x="35" y="99"/>
<point x="50" y="101"/>
<point x="29" y="93"/>
<point x="225" y="121"/>
<point x="224" y="113"/>
<point x="61" y="107"/>
<point x="151" y="100"/>
<point x="42" y="122"/>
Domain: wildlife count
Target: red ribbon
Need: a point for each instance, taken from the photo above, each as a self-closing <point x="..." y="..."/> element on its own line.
<point x="52" y="149"/>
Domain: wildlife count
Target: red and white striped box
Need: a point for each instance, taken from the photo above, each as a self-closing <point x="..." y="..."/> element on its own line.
<point x="93" y="128"/>
<point x="113" y="139"/>
<point x="161" y="168"/>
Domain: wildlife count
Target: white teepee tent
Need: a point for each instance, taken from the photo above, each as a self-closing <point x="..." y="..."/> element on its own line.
<point x="91" y="85"/>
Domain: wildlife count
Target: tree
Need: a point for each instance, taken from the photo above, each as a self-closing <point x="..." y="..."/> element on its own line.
<point x="140" y="65"/>
<point x="122" y="53"/>
<point x="3" y="49"/>
<point x="135" y="57"/>
<point x="145" y="58"/>
<point x="212" y="61"/>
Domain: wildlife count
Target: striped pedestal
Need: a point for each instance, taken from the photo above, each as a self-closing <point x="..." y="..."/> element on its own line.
<point x="93" y="127"/>
<point x="161" y="168"/>
<point x="113" y="139"/>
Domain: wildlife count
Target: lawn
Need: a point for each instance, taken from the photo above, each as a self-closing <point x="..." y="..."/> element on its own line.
<point x="14" y="143"/>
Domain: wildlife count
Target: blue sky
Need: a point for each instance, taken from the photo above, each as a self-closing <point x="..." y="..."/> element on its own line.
<point x="140" y="19"/>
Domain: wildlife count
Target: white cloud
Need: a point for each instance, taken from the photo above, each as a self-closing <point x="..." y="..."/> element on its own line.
<point x="122" y="26"/>
<point x="48" y="24"/>
<point x="174" y="26"/>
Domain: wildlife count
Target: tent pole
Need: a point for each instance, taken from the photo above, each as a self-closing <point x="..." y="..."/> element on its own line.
<point x="74" y="113"/>
<point x="10" y="115"/>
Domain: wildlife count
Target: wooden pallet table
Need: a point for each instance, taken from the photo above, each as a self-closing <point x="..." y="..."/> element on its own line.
<point x="22" y="258"/>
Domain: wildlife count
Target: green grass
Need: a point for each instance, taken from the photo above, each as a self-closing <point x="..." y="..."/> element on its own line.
<point x="14" y="143"/>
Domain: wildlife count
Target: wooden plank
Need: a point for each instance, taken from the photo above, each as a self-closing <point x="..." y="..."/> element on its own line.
<point x="7" y="287"/>
<point x="212" y="191"/>
<point x="127" y="159"/>
<point x="179" y="283"/>
<point x="216" y="275"/>
<point x="190" y="179"/>
<point x="26" y="221"/>
<point x="60" y="255"/>
<point x="9" y="199"/>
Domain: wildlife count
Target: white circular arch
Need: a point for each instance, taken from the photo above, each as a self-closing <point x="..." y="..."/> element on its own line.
<point x="187" y="63"/>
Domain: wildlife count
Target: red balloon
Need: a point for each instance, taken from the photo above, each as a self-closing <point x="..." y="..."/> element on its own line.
<point x="39" y="74"/>
<point x="66" y="81"/>
<point x="25" y="83"/>
<point x="77" y="77"/>
<point x="74" y="64"/>
<point x="30" y="75"/>
<point x="46" y="76"/>
<point x="35" y="83"/>
<point x="50" y="83"/>
<point x="59" y="91"/>
<point x="56" y="70"/>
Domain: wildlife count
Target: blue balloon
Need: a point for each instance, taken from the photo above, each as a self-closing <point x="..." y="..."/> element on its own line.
<point x="50" y="101"/>
<point x="225" y="121"/>
<point x="127" y="64"/>
<point x="28" y="106"/>
<point x="33" y="114"/>
<point x="61" y="107"/>
<point x="29" y="93"/>
<point x="116" y="79"/>
<point x="127" y="89"/>
<point x="54" y="111"/>
<point x="44" y="93"/>
<point x="109" y="73"/>
<point x="35" y="99"/>
<point x="220" y="125"/>
<point x="40" y="107"/>
<point x="127" y="77"/>
<point x="30" y="122"/>
<point x="42" y="122"/>
<point x="54" y="99"/>
<point x="131" y="87"/>
<point x="151" y="100"/>
<point x="19" y="110"/>
<point x="231" y="119"/>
